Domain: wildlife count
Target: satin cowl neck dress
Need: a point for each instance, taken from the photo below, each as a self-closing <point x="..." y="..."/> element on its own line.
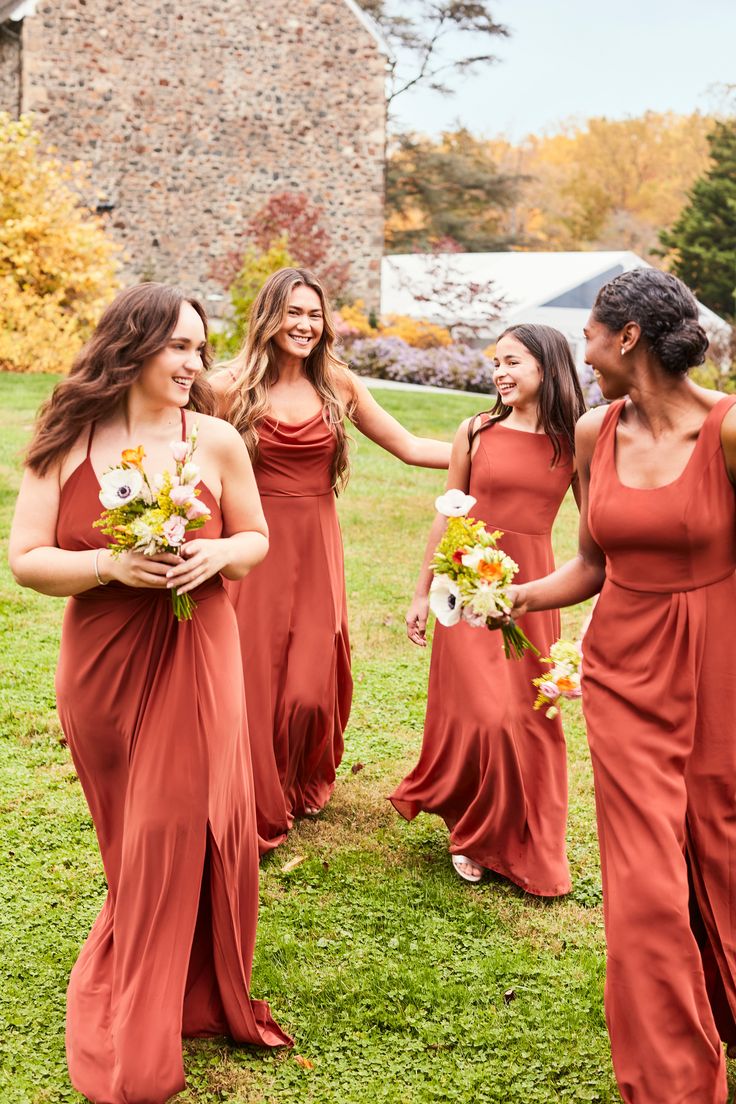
<point x="292" y="616"/>
<point x="659" y="691"/>
<point x="493" y="768"/>
<point x="154" y="714"/>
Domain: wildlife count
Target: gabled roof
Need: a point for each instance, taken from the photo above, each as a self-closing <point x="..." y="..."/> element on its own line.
<point x="371" y="26"/>
<point x="527" y="282"/>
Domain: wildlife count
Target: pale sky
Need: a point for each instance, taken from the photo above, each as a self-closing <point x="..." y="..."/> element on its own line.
<point x="580" y="58"/>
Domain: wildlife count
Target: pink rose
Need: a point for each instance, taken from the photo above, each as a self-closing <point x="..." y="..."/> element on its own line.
<point x="174" y="529"/>
<point x="182" y="496"/>
<point x="550" y="691"/>
<point x="180" y="450"/>
<point x="196" y="509"/>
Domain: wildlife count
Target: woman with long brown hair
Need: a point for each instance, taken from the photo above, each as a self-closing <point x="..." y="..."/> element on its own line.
<point x="491" y="767"/>
<point x="152" y="707"/>
<point x="288" y="394"/>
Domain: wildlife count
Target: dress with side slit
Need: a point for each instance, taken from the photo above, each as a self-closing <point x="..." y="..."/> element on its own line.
<point x="154" y="713"/>
<point x="659" y="693"/>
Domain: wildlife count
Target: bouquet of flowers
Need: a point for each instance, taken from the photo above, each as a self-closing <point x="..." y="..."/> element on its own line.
<point x="153" y="515"/>
<point x="471" y="575"/>
<point x="563" y="681"/>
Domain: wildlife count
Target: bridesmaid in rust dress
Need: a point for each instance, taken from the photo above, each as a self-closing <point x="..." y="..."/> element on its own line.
<point x="658" y="534"/>
<point x="288" y="395"/>
<point x="152" y="707"/>
<point x="493" y="768"/>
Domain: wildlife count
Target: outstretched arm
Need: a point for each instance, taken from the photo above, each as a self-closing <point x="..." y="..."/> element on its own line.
<point x="375" y="422"/>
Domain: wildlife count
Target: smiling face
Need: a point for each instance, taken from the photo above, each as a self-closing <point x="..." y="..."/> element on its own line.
<point x="302" y="325"/>
<point x="603" y="354"/>
<point x="167" y="376"/>
<point x="516" y="374"/>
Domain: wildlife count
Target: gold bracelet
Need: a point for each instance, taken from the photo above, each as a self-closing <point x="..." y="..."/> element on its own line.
<point x="100" y="581"/>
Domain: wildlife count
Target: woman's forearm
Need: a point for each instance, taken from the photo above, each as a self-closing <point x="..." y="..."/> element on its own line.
<point x="59" y="572"/>
<point x="570" y="584"/>
<point x="425" y="452"/>
<point x="424" y="579"/>
<point x="244" y="551"/>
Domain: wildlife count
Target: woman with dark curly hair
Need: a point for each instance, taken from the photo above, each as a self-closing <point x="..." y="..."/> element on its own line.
<point x="658" y="540"/>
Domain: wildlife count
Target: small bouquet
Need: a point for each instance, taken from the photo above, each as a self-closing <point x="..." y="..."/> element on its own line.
<point x="153" y="515"/>
<point x="471" y="575"/>
<point x="563" y="681"/>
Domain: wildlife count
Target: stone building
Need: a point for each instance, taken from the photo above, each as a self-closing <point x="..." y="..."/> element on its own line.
<point x="191" y="115"/>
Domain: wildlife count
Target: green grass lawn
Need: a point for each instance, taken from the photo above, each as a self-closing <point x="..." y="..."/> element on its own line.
<point x="390" y="973"/>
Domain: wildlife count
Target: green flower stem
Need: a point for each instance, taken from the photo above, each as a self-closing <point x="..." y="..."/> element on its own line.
<point x="515" y="640"/>
<point x="183" y="605"/>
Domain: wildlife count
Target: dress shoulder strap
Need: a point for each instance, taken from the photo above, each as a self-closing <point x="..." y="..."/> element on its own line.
<point x="183" y="425"/>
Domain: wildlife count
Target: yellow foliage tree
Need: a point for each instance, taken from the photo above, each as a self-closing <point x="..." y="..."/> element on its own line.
<point x="58" y="270"/>
<point x="606" y="183"/>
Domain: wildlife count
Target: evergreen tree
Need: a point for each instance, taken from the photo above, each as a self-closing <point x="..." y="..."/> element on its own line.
<point x="702" y="243"/>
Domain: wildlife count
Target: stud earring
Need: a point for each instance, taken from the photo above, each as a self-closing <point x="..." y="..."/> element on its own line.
<point x="622" y="350"/>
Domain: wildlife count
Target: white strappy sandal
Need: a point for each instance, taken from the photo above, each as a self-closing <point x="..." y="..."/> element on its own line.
<point x="457" y="860"/>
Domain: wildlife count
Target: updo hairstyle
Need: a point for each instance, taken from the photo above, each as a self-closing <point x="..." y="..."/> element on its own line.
<point x="665" y="310"/>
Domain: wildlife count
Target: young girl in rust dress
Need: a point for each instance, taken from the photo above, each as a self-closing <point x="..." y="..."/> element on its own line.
<point x="288" y="394"/>
<point x="152" y="707"/>
<point x="658" y="539"/>
<point x="493" y="768"/>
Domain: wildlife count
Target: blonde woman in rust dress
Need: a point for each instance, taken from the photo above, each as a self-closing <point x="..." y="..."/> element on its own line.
<point x="658" y="539"/>
<point x="288" y="394"/>
<point x="152" y="707"/>
<point x="493" y="768"/>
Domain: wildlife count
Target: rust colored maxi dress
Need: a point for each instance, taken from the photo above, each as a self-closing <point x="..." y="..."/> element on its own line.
<point x="154" y="714"/>
<point x="493" y="768"/>
<point x="292" y="616"/>
<point x="659" y="691"/>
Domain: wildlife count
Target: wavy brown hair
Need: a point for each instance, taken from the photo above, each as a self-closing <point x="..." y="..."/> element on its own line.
<point x="561" y="400"/>
<point x="254" y="369"/>
<point x="137" y="325"/>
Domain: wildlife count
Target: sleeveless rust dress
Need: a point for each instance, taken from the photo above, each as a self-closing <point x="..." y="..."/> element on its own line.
<point x="154" y="714"/>
<point x="659" y="690"/>
<point x="493" y="768"/>
<point x="292" y="616"/>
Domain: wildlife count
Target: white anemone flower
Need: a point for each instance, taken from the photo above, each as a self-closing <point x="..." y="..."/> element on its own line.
<point x="120" y="485"/>
<point x="454" y="503"/>
<point x="444" y="600"/>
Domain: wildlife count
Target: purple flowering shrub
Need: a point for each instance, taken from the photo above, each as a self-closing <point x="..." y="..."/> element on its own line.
<point x="455" y="366"/>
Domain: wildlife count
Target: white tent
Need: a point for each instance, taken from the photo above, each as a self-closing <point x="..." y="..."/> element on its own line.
<point x="557" y="289"/>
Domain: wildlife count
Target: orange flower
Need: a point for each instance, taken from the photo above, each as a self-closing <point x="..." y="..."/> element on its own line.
<point x="490" y="571"/>
<point x="134" y="456"/>
<point x="564" y="684"/>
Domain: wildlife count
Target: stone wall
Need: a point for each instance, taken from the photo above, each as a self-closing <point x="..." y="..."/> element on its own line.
<point x="191" y="115"/>
<point x="10" y="68"/>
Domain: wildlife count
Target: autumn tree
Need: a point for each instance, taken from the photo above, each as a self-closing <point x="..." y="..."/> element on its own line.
<point x="445" y="189"/>
<point x="605" y="183"/>
<point x="57" y="267"/>
<point x="435" y="41"/>
<point x="702" y="243"/>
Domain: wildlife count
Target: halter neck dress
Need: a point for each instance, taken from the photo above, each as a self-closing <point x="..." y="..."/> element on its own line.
<point x="154" y="715"/>
<point x="292" y="616"/>
<point x="493" y="768"/>
<point x="659" y="691"/>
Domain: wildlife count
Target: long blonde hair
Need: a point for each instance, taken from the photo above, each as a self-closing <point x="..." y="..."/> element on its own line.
<point x="254" y="370"/>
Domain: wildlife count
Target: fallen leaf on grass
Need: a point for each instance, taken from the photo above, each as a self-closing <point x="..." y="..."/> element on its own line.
<point x="292" y="864"/>
<point x="356" y="767"/>
<point x="303" y="1062"/>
